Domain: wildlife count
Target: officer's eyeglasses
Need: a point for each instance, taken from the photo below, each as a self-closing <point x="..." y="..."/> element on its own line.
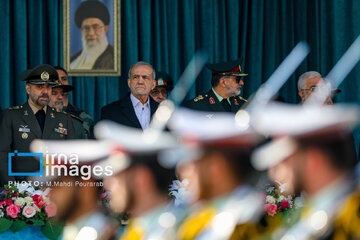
<point x="157" y="92"/>
<point x="87" y="28"/>
<point x="313" y="89"/>
<point x="237" y="79"/>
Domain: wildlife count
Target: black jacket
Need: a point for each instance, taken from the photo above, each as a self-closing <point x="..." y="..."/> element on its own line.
<point x="210" y="103"/>
<point x="123" y="112"/>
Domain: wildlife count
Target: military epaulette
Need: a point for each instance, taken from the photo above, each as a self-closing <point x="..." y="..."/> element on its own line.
<point x="243" y="99"/>
<point x="76" y="117"/>
<point x="198" y="98"/>
<point x="58" y="110"/>
<point x="15" y="107"/>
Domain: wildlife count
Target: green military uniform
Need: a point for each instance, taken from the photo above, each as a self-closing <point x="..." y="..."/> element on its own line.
<point x="19" y="126"/>
<point x="211" y="103"/>
<point x="80" y="132"/>
<point x="82" y="121"/>
<point x="82" y="117"/>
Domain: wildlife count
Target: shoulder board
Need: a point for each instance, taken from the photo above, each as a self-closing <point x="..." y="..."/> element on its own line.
<point x="198" y="98"/>
<point x="58" y="110"/>
<point x="76" y="117"/>
<point x="15" y="107"/>
<point x="243" y="99"/>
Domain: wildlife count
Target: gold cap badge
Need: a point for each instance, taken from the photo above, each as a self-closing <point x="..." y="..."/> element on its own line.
<point x="45" y="76"/>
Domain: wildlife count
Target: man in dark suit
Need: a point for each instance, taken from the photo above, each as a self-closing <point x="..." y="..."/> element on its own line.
<point x="226" y="87"/>
<point x="93" y="19"/>
<point x="20" y="125"/>
<point x="137" y="107"/>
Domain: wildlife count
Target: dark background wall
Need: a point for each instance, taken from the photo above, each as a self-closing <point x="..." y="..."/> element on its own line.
<point x="166" y="33"/>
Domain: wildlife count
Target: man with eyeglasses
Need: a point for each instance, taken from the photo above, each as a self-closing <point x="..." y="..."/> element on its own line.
<point x="163" y="86"/>
<point x="93" y="19"/>
<point x="309" y="82"/>
<point x="226" y="87"/>
<point x="137" y="107"/>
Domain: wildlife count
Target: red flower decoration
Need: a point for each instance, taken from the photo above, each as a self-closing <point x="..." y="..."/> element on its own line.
<point x="38" y="201"/>
<point x="8" y="202"/>
<point x="284" y="204"/>
<point x="270" y="209"/>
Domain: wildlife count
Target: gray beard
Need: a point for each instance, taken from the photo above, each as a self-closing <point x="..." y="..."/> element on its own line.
<point x="94" y="48"/>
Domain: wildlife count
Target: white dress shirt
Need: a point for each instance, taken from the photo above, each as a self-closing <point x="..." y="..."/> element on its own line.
<point x="142" y="111"/>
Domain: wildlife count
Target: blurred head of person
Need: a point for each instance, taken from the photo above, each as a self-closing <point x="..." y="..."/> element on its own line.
<point x="216" y="172"/>
<point x="308" y="83"/>
<point x="140" y="187"/>
<point x="316" y="163"/>
<point x="74" y="198"/>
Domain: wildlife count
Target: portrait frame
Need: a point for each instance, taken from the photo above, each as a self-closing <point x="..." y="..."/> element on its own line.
<point x="72" y="39"/>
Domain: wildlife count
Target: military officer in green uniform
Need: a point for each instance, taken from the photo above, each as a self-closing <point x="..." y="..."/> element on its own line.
<point x="58" y="93"/>
<point x="163" y="86"/>
<point x="74" y="111"/>
<point x="226" y="87"/>
<point x="20" y="125"/>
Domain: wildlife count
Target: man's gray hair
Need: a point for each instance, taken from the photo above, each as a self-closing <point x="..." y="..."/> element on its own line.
<point x="304" y="76"/>
<point x="141" y="63"/>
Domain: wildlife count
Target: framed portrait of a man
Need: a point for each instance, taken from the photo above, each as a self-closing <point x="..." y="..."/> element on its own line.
<point x="92" y="37"/>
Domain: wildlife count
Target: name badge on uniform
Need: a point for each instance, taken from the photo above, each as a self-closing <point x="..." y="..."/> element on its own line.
<point x="61" y="129"/>
<point x="25" y="130"/>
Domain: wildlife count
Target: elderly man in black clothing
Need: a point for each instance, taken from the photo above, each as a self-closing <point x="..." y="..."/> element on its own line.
<point x="137" y="107"/>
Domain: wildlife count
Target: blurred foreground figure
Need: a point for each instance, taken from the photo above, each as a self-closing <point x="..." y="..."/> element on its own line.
<point x="75" y="189"/>
<point x="315" y="156"/>
<point x="219" y="175"/>
<point x="140" y="182"/>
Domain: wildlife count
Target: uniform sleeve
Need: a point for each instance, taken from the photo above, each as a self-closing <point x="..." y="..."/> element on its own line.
<point x="190" y="104"/>
<point x="71" y="129"/>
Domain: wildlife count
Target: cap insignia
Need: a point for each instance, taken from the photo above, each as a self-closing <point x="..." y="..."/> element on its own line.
<point x="45" y="76"/>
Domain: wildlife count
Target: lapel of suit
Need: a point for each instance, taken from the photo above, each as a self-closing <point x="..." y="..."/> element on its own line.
<point x="217" y="106"/>
<point x="129" y="111"/>
<point x="30" y="120"/>
<point x="153" y="106"/>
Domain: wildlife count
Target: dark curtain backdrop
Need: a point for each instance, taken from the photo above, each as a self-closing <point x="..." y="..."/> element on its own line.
<point x="166" y="33"/>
